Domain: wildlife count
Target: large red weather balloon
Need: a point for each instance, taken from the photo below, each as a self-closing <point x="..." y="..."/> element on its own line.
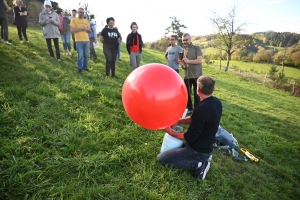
<point x="154" y="96"/>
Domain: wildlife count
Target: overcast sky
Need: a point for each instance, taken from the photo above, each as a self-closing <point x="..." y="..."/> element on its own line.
<point x="152" y="16"/>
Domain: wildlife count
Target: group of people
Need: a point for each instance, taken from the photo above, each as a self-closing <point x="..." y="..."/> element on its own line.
<point x="196" y="153"/>
<point x="206" y="112"/>
<point x="20" y="20"/>
<point x="55" y="25"/>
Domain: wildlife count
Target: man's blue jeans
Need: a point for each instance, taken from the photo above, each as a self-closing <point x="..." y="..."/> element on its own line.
<point x="182" y="158"/>
<point x="83" y="52"/>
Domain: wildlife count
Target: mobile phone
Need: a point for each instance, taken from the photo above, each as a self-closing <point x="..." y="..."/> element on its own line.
<point x="50" y="17"/>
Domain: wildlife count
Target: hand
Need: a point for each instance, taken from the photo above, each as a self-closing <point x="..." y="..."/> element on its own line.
<point x="51" y="20"/>
<point x="168" y="129"/>
<point x="8" y="9"/>
<point x="185" y="60"/>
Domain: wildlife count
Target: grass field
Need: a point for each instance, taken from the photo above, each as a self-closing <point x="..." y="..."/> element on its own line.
<point x="67" y="136"/>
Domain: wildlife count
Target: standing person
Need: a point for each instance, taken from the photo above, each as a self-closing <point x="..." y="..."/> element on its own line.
<point x="4" y="20"/>
<point x="64" y="29"/>
<point x="74" y="13"/>
<point x="110" y="37"/>
<point x="192" y="65"/>
<point x="172" y="53"/>
<point x="92" y="38"/>
<point x="81" y="28"/>
<point x="200" y="136"/>
<point x="49" y="21"/>
<point x="134" y="44"/>
<point x="119" y="47"/>
<point x="20" y="14"/>
<point x="1" y="29"/>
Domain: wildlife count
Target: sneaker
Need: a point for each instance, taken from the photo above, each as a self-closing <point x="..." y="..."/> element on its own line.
<point x="202" y="171"/>
<point x="70" y="53"/>
<point x="58" y="60"/>
<point x="27" y="41"/>
<point x="87" y="70"/>
<point x="67" y="53"/>
<point x="21" y="41"/>
<point x="7" y="42"/>
<point x="2" y="40"/>
<point x="79" y="71"/>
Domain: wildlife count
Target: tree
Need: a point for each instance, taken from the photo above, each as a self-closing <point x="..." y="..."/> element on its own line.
<point x="262" y="56"/>
<point x="228" y="31"/>
<point x="175" y="29"/>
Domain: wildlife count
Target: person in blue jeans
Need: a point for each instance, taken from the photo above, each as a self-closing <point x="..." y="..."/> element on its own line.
<point x="200" y="136"/>
<point x="119" y="47"/>
<point x="65" y="34"/>
<point x="81" y="28"/>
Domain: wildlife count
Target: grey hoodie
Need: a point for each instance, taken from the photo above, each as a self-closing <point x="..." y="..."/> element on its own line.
<point x="50" y="29"/>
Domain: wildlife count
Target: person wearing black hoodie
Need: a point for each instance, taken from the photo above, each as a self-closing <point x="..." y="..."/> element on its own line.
<point x="134" y="44"/>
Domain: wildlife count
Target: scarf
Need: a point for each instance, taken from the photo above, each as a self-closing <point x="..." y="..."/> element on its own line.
<point x="133" y="39"/>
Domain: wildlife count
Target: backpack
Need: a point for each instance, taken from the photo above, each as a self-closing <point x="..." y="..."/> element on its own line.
<point x="64" y="25"/>
<point x="228" y="142"/>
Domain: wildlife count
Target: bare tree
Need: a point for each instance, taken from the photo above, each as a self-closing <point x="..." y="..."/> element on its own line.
<point x="229" y="32"/>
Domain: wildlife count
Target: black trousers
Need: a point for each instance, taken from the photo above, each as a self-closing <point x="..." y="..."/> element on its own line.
<point x="92" y="49"/>
<point x="55" y="40"/>
<point x="22" y="30"/>
<point x="4" y="26"/>
<point x="189" y="83"/>
<point x="110" y="56"/>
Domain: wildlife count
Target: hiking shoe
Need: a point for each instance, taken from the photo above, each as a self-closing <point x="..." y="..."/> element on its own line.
<point x="202" y="171"/>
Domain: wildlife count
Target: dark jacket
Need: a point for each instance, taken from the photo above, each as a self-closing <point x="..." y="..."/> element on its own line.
<point x="128" y="42"/>
<point x="20" y="21"/>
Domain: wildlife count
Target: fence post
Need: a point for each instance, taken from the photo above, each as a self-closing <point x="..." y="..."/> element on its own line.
<point x="294" y="87"/>
<point x="265" y="78"/>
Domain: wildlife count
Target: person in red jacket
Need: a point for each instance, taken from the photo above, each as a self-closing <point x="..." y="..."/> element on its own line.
<point x="134" y="44"/>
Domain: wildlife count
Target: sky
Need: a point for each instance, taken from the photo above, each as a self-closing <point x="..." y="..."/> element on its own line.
<point x="152" y="16"/>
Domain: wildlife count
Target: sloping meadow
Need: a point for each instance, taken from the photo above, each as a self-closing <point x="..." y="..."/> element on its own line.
<point x="67" y="136"/>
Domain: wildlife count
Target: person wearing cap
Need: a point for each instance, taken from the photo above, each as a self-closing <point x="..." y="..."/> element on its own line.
<point x="4" y="8"/>
<point x="134" y="44"/>
<point x="81" y="28"/>
<point x="49" y="21"/>
<point x="110" y="37"/>
<point x="74" y="13"/>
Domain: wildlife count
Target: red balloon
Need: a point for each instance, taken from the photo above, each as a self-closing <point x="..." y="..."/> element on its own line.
<point x="154" y="96"/>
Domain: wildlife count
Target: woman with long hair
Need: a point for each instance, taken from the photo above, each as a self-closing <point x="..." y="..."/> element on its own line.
<point x="20" y="14"/>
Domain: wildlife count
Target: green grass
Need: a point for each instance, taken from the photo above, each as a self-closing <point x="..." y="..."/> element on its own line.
<point x="66" y="136"/>
<point x="261" y="68"/>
